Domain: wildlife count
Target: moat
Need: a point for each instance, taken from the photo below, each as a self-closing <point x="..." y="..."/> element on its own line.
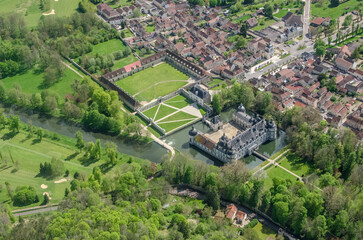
<point x="179" y="141"/>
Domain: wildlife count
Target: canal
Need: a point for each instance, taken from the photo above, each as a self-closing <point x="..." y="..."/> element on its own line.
<point x="151" y="151"/>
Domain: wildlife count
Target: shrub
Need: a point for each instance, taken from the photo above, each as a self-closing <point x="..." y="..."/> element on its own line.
<point x="25" y="195"/>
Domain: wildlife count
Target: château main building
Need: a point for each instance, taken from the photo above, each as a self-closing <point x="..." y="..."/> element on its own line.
<point x="235" y="139"/>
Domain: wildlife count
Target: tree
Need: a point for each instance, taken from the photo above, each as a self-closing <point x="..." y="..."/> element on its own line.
<point x="14" y="123"/>
<point x="40" y="134"/>
<point x="320" y="51"/>
<point x="80" y="141"/>
<point x="10" y="191"/>
<point x="243" y="30"/>
<point x="50" y="76"/>
<point x="3" y="119"/>
<point x="280" y="212"/>
<point x="216" y="103"/>
<point x="24" y="196"/>
<point x="212" y="197"/>
<point x="268" y="10"/>
<point x="314" y="204"/>
<point x="335" y="2"/>
<point x="356" y="54"/>
<point x="248" y="1"/>
<point x="329" y="40"/>
<point x="137" y="12"/>
<point x="347" y="20"/>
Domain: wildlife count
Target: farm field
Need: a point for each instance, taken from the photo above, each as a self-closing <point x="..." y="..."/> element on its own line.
<point x="31" y="11"/>
<point x="334" y="12"/>
<point x="32" y="82"/>
<point x="153" y="82"/>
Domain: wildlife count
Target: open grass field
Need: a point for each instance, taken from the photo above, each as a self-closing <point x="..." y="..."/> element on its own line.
<point x="296" y="165"/>
<point x="153" y="82"/>
<point x="32" y="82"/>
<point x="30" y="9"/>
<point x="264" y="232"/>
<point x="267" y="22"/>
<point x="281" y="13"/>
<point x="277" y="172"/>
<point x="334" y="12"/>
<point x="30" y="153"/>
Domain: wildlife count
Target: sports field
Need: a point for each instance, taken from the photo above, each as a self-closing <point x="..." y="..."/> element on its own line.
<point x="153" y="82"/>
<point x="174" y="113"/>
<point x="30" y="9"/>
<point x="32" y="82"/>
<point x="30" y="153"/>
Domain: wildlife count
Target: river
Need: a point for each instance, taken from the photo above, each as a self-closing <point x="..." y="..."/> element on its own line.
<point x="179" y="141"/>
<point x="151" y="151"/>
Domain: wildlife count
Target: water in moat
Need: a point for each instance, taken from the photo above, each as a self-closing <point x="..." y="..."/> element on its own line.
<point x="179" y="141"/>
<point x="151" y="151"/>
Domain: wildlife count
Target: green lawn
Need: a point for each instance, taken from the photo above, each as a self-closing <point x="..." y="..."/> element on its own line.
<point x="290" y="42"/>
<point x="178" y="116"/>
<point x="31" y="82"/>
<point x="173" y="125"/>
<point x="281" y="13"/>
<point x="334" y="12"/>
<point x="264" y="232"/>
<point x="178" y="102"/>
<point x="150" y="28"/>
<point x="164" y="111"/>
<point x="214" y="82"/>
<point x="241" y="19"/>
<point x="30" y="153"/>
<point x="151" y="112"/>
<point x="277" y="172"/>
<point x="296" y="165"/>
<point x="128" y="33"/>
<point x="119" y="3"/>
<point x="109" y="47"/>
<point x="31" y="11"/>
<point x="267" y="22"/>
<point x="153" y="82"/>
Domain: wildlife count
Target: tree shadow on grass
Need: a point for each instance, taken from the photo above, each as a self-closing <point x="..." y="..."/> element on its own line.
<point x="106" y="167"/>
<point x="86" y="161"/>
<point x="4" y="167"/>
<point x="26" y="139"/>
<point x="72" y="156"/>
<point x="35" y="141"/>
<point x="9" y="135"/>
<point x="298" y="163"/>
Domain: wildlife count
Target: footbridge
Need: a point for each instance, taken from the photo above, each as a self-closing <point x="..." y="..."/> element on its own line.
<point x="260" y="155"/>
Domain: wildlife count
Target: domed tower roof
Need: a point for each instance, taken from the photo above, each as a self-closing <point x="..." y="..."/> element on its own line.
<point x="241" y="108"/>
<point x="193" y="132"/>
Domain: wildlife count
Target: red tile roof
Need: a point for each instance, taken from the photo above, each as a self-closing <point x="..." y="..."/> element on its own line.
<point x="132" y="66"/>
<point x="231" y="211"/>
